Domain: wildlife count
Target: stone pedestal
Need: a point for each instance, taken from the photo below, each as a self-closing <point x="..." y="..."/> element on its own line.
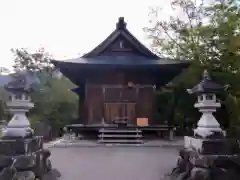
<point x="23" y="156"/>
<point x="19" y="125"/>
<point x="222" y="146"/>
<point x="208" y="159"/>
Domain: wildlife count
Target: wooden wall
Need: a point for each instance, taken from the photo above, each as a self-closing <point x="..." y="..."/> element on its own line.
<point x="95" y="99"/>
<point x="116" y="77"/>
<point x="94" y="103"/>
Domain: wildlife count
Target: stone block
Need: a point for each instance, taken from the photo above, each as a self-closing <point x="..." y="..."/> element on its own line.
<point x="26" y="175"/>
<point x="195" y="166"/>
<point x="11" y="147"/>
<point x="24" y="163"/>
<point x="5" y="161"/>
<point x="212" y="146"/>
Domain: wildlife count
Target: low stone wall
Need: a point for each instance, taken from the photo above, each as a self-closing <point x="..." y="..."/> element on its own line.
<point x="193" y="166"/>
<point x="23" y="158"/>
<point x="36" y="165"/>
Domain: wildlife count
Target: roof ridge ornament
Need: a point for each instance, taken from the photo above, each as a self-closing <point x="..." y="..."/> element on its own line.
<point x="206" y="75"/>
<point x="121" y="24"/>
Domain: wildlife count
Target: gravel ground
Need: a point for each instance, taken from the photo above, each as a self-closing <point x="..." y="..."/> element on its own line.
<point x="113" y="163"/>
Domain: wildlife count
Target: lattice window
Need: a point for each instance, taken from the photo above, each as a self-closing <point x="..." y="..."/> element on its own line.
<point x="129" y="94"/>
<point x="112" y="94"/>
<point x="120" y="94"/>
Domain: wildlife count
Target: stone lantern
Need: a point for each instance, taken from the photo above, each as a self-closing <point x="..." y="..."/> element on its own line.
<point x="19" y="103"/>
<point x="21" y="152"/>
<point x="208" y="154"/>
<point x="207" y="104"/>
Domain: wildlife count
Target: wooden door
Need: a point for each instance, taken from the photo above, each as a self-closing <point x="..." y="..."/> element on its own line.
<point x="130" y="112"/>
<point x="119" y="110"/>
<point x="111" y="111"/>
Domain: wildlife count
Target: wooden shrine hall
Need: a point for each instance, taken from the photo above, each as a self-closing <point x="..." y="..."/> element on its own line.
<point x="116" y="82"/>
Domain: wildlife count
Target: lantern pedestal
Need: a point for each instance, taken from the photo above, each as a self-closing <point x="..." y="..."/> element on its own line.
<point x="208" y="159"/>
<point x="24" y="156"/>
<point x="19" y="125"/>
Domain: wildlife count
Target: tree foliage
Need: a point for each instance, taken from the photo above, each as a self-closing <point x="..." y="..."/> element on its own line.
<point x="3" y="94"/>
<point x="35" y="62"/>
<point x="207" y="35"/>
<point x="55" y="103"/>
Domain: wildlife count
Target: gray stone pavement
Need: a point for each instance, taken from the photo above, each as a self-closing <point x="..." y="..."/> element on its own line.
<point x="61" y="143"/>
<point x="113" y="163"/>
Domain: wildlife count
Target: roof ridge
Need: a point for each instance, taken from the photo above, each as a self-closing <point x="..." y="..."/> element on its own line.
<point x="120" y="30"/>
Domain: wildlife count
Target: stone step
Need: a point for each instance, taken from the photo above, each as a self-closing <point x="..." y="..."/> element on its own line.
<point x="120" y="131"/>
<point x="120" y="136"/>
<point x="127" y="141"/>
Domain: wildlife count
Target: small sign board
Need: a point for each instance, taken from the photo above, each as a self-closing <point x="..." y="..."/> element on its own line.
<point x="142" y="121"/>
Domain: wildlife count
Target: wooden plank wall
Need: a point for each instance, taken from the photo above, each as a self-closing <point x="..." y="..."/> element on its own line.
<point x="94" y="102"/>
<point x="145" y="103"/>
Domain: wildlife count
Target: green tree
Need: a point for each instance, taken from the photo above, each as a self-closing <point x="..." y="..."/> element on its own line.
<point x="35" y="62"/>
<point x="55" y="103"/>
<point x="206" y="35"/>
<point x="3" y="95"/>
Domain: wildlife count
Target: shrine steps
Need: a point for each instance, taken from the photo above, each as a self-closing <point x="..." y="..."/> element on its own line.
<point x="119" y="130"/>
<point x="120" y="136"/>
<point x="120" y="141"/>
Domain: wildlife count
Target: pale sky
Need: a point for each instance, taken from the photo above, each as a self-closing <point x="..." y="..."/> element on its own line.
<point x="68" y="28"/>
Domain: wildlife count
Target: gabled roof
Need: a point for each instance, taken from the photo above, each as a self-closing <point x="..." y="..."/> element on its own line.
<point x="129" y="60"/>
<point x="121" y="34"/>
<point x="119" y="51"/>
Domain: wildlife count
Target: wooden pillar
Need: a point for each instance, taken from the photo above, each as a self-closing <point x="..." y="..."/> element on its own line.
<point x="103" y="104"/>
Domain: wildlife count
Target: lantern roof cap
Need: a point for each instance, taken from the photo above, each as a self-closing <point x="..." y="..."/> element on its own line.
<point x="206" y="85"/>
<point x="23" y="81"/>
